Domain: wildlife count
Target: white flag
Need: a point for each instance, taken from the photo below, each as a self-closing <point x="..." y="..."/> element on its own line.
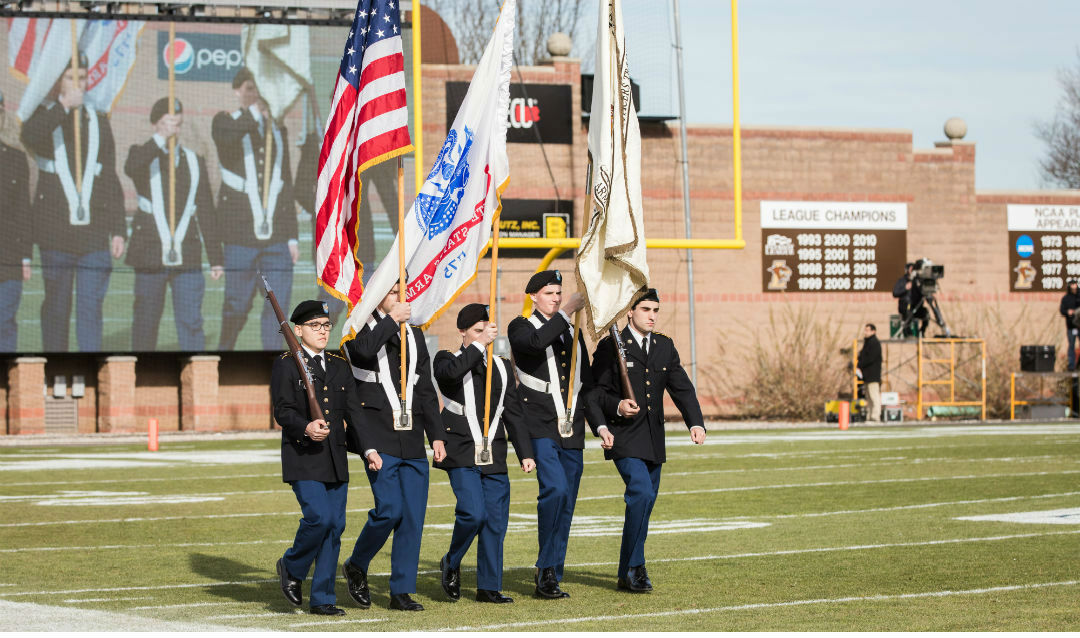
<point x="279" y="56"/>
<point x="45" y="53"/>
<point x="109" y="46"/>
<point x="611" y="264"/>
<point x="450" y="222"/>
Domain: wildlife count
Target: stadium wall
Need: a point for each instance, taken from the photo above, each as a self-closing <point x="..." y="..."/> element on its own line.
<point x="949" y="222"/>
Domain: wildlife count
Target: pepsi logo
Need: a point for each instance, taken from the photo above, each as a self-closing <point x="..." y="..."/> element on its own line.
<point x="182" y="53"/>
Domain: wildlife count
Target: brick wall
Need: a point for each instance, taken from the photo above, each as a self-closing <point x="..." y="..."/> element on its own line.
<point x="949" y="222"/>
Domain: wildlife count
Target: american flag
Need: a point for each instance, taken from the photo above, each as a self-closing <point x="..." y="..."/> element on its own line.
<point x="368" y="123"/>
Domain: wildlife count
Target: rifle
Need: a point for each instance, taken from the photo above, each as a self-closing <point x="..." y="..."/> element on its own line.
<point x="620" y="350"/>
<point x="295" y="352"/>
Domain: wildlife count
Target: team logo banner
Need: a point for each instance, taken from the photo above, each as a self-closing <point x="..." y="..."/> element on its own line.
<point x="448" y="227"/>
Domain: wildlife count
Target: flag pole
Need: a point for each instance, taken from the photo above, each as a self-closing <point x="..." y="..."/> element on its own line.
<point x="573" y="369"/>
<point x="418" y="100"/>
<point x="172" y="141"/>
<point x="686" y="187"/>
<point x="485" y="455"/>
<point x="76" y="120"/>
<point x="266" y="163"/>
<point x="401" y="273"/>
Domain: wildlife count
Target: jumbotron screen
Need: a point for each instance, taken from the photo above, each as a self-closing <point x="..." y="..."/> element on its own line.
<point x="132" y="224"/>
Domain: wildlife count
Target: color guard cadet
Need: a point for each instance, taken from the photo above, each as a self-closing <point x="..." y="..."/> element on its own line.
<point x="477" y="467"/>
<point x="399" y="480"/>
<point x="541" y="346"/>
<point x="15" y="213"/>
<point x="257" y="226"/>
<point x="313" y="459"/>
<point x="79" y="220"/>
<point x="166" y="252"/>
<point x="632" y="432"/>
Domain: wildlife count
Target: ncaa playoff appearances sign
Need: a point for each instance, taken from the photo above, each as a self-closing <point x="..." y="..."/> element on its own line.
<point x="1044" y="247"/>
<point x="832" y="246"/>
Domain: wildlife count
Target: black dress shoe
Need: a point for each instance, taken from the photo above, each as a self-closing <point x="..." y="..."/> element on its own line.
<point x="289" y="587"/>
<point x="643" y="579"/>
<point x="357" y="580"/>
<point x="547" y="586"/>
<point x="327" y="610"/>
<point x="492" y="596"/>
<point x="632" y="582"/>
<point x="404" y="602"/>
<point x="451" y="579"/>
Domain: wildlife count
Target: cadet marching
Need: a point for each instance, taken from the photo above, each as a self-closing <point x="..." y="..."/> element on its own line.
<point x="536" y="404"/>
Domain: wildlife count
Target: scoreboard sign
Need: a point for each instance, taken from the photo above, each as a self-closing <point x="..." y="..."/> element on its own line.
<point x="1044" y="247"/>
<point x="832" y="246"/>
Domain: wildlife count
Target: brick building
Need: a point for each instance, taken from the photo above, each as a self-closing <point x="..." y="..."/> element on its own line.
<point x="948" y="221"/>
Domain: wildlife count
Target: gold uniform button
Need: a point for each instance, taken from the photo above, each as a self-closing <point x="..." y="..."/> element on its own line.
<point x="564" y="365"/>
<point x="563" y="353"/>
<point x="326" y="411"/>
<point x="325" y="388"/>
<point x="647" y="383"/>
<point x="326" y="400"/>
<point x="563" y="378"/>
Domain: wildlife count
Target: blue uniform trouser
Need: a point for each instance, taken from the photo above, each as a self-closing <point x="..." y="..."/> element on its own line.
<point x="318" y="539"/>
<point x="90" y="275"/>
<point x="242" y="267"/>
<point x="187" y="296"/>
<point x="558" y="471"/>
<point x="482" y="511"/>
<point x="400" y="489"/>
<point x="642" y="479"/>
<point x="10" y="294"/>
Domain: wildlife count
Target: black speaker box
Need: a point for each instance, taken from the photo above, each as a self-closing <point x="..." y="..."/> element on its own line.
<point x="1037" y="358"/>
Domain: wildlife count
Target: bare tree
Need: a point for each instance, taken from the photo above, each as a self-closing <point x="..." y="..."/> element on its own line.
<point x="472" y="22"/>
<point x="1061" y="134"/>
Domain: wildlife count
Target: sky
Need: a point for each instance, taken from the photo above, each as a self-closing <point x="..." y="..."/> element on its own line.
<point x="908" y="64"/>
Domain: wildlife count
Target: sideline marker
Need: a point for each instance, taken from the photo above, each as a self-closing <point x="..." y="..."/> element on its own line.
<point x="844" y="416"/>
<point x="151" y="433"/>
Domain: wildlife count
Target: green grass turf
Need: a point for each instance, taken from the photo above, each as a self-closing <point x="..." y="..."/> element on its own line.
<point x="852" y="530"/>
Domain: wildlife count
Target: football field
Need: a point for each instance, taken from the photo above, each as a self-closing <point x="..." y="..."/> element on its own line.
<point x="915" y="528"/>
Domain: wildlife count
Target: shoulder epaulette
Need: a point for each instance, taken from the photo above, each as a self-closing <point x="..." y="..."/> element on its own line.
<point x="337" y="356"/>
<point x="286" y="354"/>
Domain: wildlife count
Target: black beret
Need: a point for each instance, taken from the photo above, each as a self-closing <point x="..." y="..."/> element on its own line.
<point x="470" y="315"/>
<point x="308" y="310"/>
<point x="541" y="279"/>
<point x="648" y="295"/>
<point x="161" y="108"/>
<point x="243" y="75"/>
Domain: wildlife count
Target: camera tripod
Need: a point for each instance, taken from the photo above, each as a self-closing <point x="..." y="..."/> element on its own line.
<point x="930" y="300"/>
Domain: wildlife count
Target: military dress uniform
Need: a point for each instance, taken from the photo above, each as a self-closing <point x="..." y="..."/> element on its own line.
<point x="318" y="471"/>
<point x="542" y="353"/>
<point x="255" y="238"/>
<point x="15" y="212"/>
<point x="653" y="365"/>
<point x="480" y="484"/>
<point x="400" y="488"/>
<point x="75" y="218"/>
<point x="164" y="257"/>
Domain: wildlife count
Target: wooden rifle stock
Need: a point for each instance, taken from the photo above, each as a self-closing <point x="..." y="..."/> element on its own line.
<point x="295" y="352"/>
<point x="620" y="350"/>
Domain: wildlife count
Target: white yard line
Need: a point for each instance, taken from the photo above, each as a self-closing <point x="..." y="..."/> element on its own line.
<point x="332" y="623"/>
<point x="749" y="606"/>
<point x="785" y="552"/>
<point x="580" y="498"/>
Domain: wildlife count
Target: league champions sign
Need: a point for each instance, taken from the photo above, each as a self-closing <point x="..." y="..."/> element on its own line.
<point x="832" y="246"/>
<point x="1044" y="247"/>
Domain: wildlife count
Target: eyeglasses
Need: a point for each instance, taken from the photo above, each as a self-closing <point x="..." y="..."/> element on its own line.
<point x="320" y="327"/>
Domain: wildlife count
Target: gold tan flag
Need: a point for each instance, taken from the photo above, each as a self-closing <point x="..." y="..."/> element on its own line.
<point x="611" y="264"/>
